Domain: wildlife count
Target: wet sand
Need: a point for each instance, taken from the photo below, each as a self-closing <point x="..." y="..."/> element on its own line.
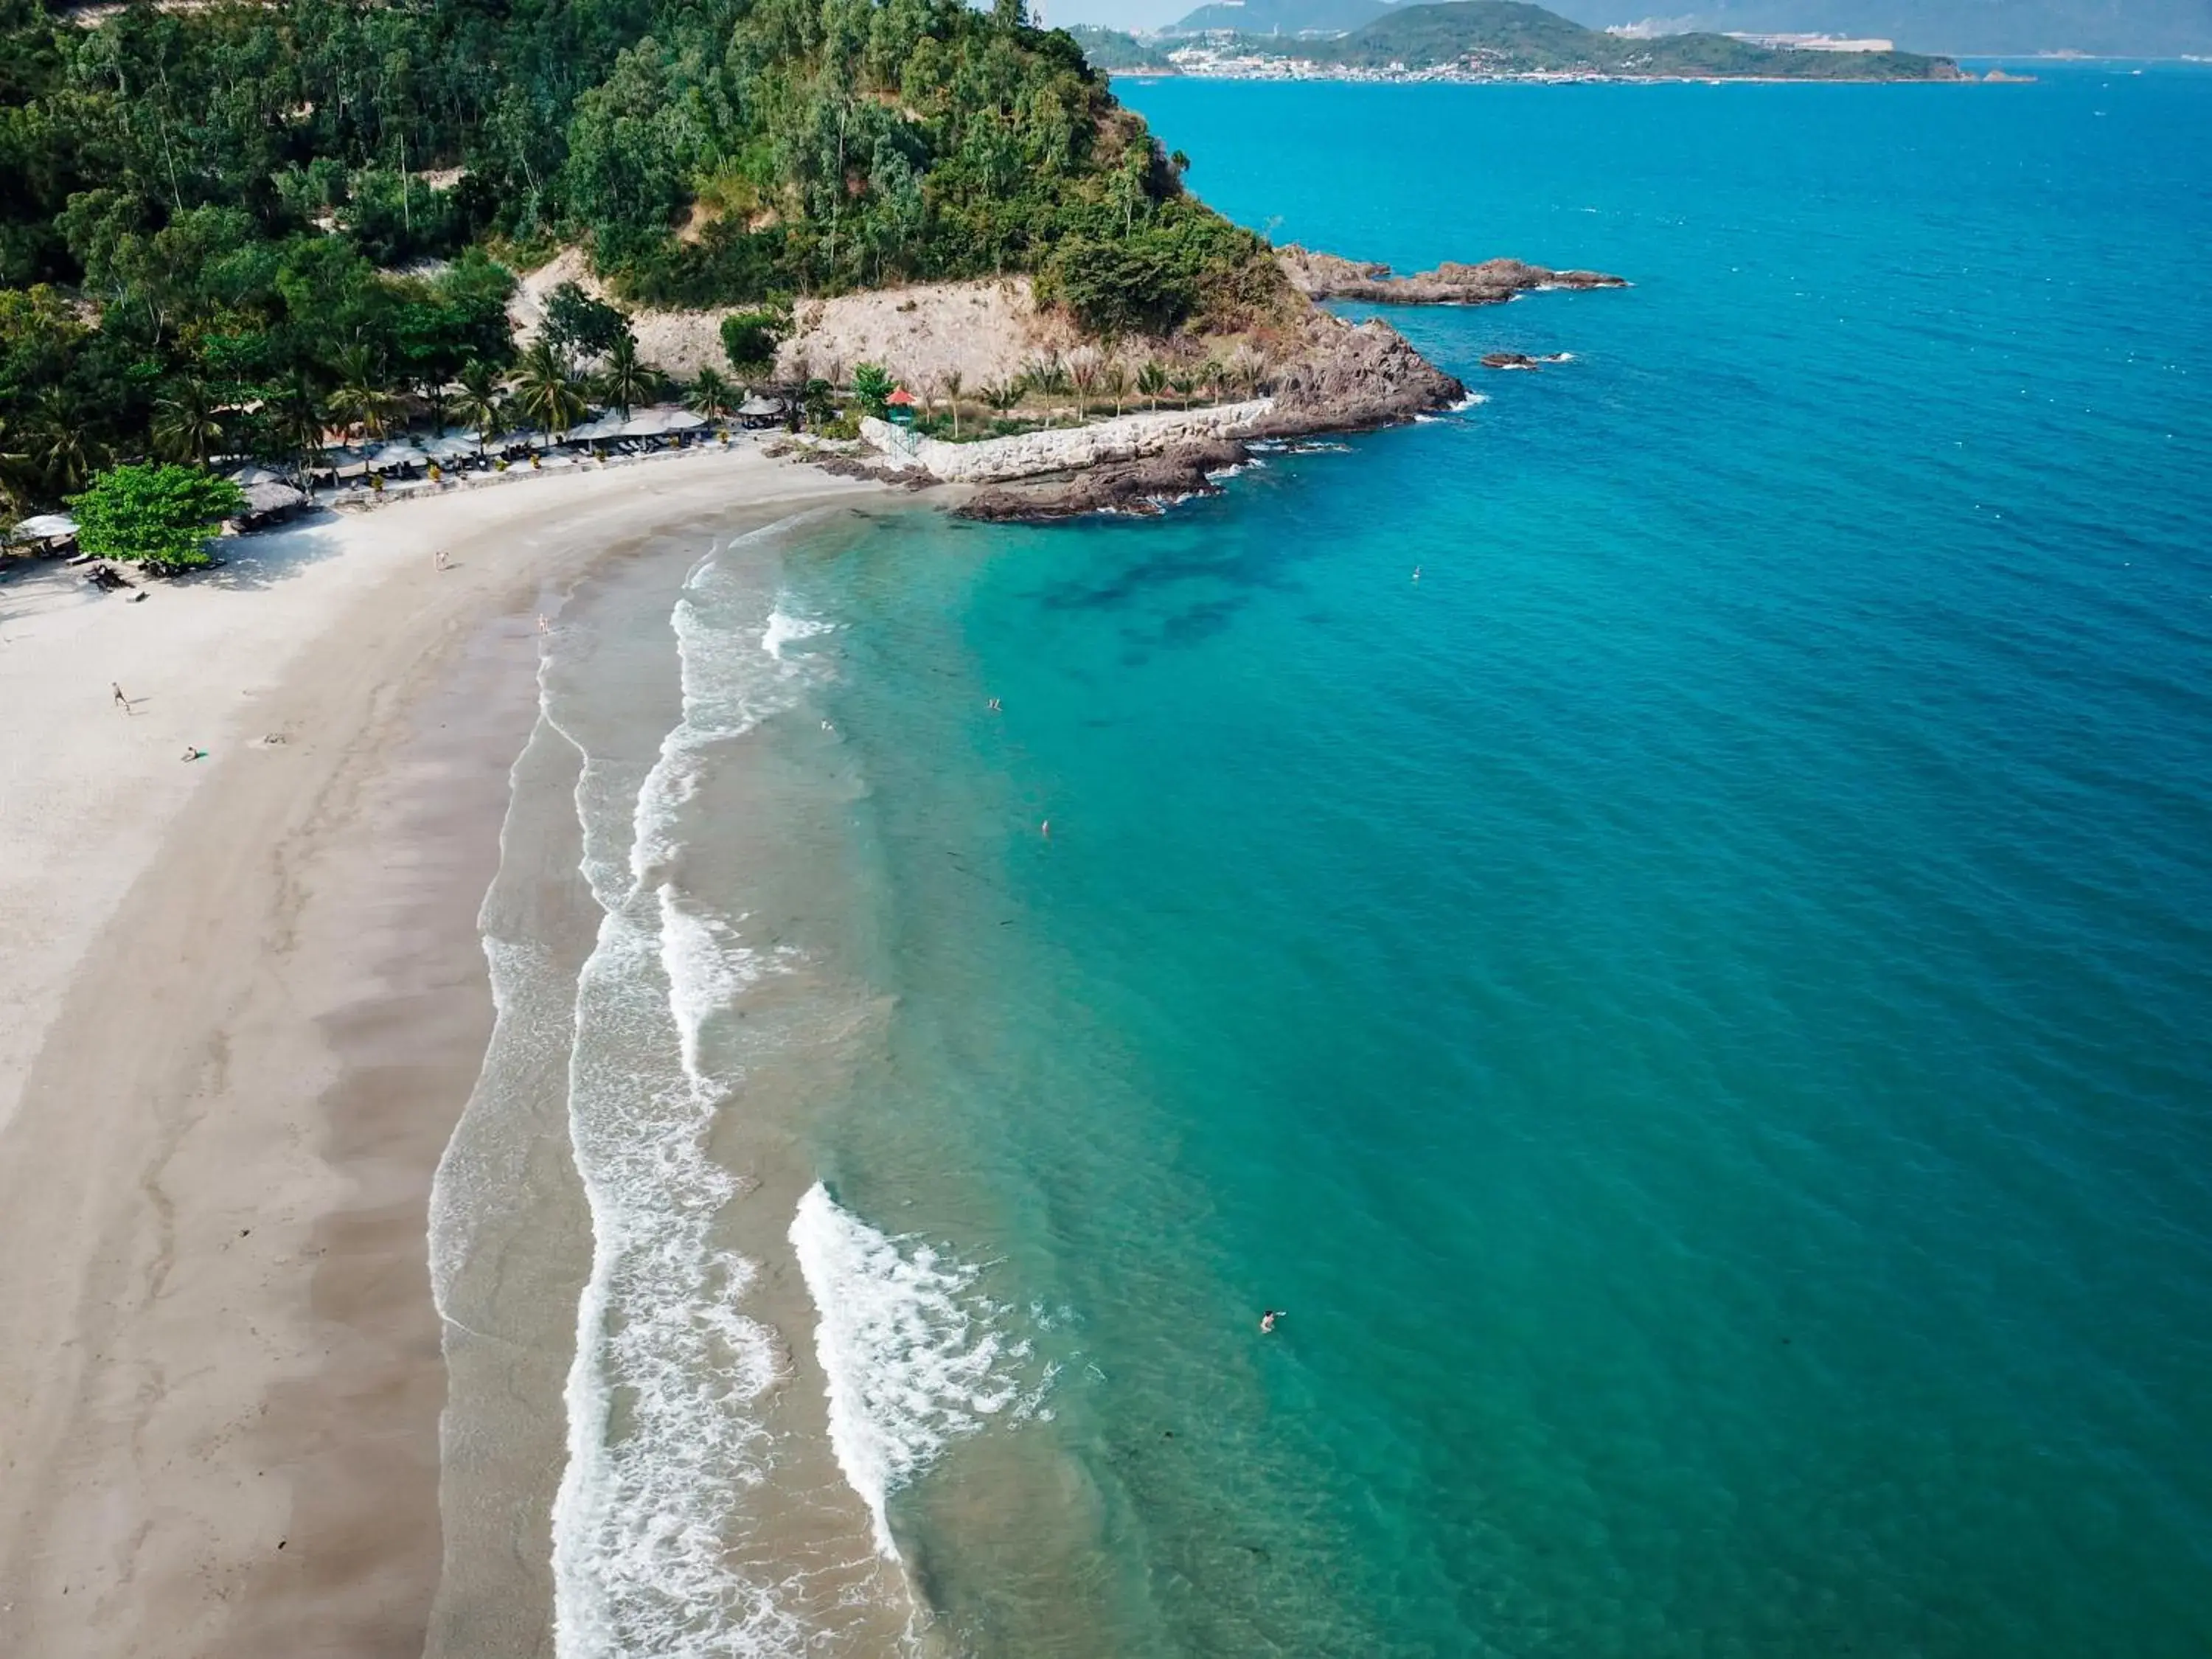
<point x="247" y="1001"/>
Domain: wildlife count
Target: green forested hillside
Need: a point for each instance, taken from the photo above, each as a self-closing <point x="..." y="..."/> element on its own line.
<point x="206" y="214"/>
<point x="1509" y="37"/>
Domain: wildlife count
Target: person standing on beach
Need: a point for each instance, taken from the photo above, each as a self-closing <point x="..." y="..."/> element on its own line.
<point x="121" y="702"/>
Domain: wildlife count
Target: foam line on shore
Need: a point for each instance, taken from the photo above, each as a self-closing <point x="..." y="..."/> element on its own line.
<point x="913" y="1357"/>
<point x="664" y="1432"/>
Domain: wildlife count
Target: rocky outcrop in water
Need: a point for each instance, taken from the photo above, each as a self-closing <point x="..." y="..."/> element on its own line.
<point x="1330" y="276"/>
<point x="1147" y="486"/>
<point x="1351" y="376"/>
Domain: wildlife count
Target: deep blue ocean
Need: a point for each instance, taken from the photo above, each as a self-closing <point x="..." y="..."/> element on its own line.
<point x="1700" y="1006"/>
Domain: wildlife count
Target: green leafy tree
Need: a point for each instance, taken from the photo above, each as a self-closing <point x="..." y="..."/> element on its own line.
<point x="872" y="386"/>
<point x="1002" y="395"/>
<point x="581" y="326"/>
<point x="157" y="515"/>
<point x="750" y="339"/>
<point x="819" y="399"/>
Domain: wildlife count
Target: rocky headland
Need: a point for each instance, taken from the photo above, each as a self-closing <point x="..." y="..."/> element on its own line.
<point x="1322" y="373"/>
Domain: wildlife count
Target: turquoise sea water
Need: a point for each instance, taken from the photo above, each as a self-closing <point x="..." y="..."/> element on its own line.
<point x="1697" y="1007"/>
<point x="1701" y="1007"/>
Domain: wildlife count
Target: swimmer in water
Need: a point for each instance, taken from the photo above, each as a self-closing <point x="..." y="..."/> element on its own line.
<point x="1268" y="1320"/>
<point x="1417" y="573"/>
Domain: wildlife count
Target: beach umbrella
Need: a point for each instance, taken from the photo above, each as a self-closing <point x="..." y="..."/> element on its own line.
<point x="47" y="527"/>
<point x="247" y="476"/>
<point x="398" y="453"/>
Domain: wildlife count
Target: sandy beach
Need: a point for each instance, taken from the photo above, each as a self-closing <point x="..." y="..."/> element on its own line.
<point x="242" y="1002"/>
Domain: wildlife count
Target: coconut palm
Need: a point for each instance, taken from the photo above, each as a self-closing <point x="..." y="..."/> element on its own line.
<point x="1114" y="381"/>
<point x="710" y="395"/>
<point x="362" y="398"/>
<point x="296" y="418"/>
<point x="628" y="379"/>
<point x="1213" y="375"/>
<point x="546" y="391"/>
<point x="1048" y="377"/>
<point x="1003" y="395"/>
<point x="55" y="441"/>
<point x="950" y="383"/>
<point x="1152" y="381"/>
<point x="1248" y="369"/>
<point x="188" y="424"/>
<point x="1083" y="371"/>
<point x="478" y="401"/>
<point x="1183" y="386"/>
<point x="438" y="403"/>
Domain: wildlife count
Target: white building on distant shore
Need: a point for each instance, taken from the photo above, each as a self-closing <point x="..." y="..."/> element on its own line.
<point x="1813" y="43"/>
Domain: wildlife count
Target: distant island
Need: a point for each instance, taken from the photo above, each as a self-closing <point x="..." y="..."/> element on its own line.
<point x="1476" y="40"/>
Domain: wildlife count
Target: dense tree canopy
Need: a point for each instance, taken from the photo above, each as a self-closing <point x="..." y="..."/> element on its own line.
<point x="211" y="217"/>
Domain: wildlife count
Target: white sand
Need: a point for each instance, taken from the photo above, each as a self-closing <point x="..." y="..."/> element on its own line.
<point x="215" y="1131"/>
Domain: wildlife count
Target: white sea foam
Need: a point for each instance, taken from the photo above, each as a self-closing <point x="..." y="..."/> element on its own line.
<point x="911" y="1355"/>
<point x="1471" y="400"/>
<point x="664" y="1432"/>
<point x="783" y="630"/>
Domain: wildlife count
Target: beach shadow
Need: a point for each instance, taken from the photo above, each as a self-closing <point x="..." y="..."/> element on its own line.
<point x="262" y="559"/>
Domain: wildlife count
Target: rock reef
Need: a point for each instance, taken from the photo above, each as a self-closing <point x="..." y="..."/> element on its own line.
<point x="1330" y="276"/>
<point x="1149" y="485"/>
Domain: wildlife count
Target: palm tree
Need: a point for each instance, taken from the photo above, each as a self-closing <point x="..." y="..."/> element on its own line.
<point x="438" y="405"/>
<point x="362" y="398"/>
<point x="1114" y="381"/>
<point x="1047" y="376"/>
<point x="479" y="402"/>
<point x="297" y="418"/>
<point x="1003" y="395"/>
<point x="950" y="384"/>
<point x="1214" y="374"/>
<point x="1247" y="369"/>
<point x="1083" y="374"/>
<point x="1152" y="381"/>
<point x="1183" y="386"/>
<point x="188" y="425"/>
<point x="56" y="442"/>
<point x="710" y="395"/>
<point x="628" y="379"/>
<point x="546" y="391"/>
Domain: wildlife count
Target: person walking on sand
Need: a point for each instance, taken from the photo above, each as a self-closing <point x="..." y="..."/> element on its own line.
<point x="121" y="702"/>
<point x="443" y="562"/>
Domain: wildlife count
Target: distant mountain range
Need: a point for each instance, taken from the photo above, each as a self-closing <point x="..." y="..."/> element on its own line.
<point x="1508" y="38"/>
<point x="1989" y="28"/>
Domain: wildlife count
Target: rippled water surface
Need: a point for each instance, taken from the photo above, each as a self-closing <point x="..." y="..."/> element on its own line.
<point x="1697" y="1006"/>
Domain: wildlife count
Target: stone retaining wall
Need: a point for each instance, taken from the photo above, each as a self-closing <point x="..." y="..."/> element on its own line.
<point x="1061" y="449"/>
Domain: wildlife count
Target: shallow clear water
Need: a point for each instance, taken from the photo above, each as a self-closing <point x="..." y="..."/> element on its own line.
<point x="1697" y="1006"/>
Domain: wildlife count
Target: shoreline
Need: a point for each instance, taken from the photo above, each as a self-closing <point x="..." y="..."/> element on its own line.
<point x="247" y="1009"/>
